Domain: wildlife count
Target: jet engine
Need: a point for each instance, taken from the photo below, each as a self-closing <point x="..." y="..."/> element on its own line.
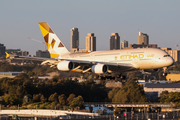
<point x="65" y="65"/>
<point x="99" y="68"/>
<point x="151" y="70"/>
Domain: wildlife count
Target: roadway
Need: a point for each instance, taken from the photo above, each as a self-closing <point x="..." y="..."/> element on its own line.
<point x="44" y="113"/>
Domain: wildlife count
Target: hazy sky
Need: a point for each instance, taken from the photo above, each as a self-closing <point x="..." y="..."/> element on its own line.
<point x="160" y="19"/>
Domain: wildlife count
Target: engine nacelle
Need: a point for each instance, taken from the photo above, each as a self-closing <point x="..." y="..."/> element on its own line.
<point x="65" y="65"/>
<point x="99" y="68"/>
<point x="151" y="70"/>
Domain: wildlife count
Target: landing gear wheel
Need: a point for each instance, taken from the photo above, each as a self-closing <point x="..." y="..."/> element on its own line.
<point x="96" y="76"/>
<point x="118" y="76"/>
<point x="165" y="74"/>
<point x="102" y="78"/>
<point x="123" y="77"/>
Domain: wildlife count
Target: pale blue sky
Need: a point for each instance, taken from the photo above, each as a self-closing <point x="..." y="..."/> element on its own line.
<point x="160" y="19"/>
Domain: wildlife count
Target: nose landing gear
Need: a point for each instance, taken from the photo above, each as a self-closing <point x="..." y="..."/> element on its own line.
<point x="165" y="73"/>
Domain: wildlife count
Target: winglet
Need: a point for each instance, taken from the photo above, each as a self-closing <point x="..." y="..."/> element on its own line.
<point x="7" y="55"/>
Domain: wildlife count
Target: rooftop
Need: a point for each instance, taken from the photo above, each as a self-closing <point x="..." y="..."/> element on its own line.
<point x="162" y="85"/>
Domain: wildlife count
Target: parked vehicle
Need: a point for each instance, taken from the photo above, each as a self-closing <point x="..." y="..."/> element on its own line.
<point x="127" y="114"/>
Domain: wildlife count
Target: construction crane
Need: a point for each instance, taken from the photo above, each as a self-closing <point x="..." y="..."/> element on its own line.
<point x="39" y="42"/>
<point x="177" y="46"/>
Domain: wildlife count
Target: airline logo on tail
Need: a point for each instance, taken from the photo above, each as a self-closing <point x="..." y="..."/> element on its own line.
<point x="54" y="44"/>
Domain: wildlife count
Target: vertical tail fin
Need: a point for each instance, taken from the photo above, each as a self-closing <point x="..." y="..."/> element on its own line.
<point x="55" y="46"/>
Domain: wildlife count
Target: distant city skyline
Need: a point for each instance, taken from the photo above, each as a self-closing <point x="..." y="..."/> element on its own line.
<point x="19" y="20"/>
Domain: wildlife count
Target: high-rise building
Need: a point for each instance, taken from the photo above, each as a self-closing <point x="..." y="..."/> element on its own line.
<point x="143" y="38"/>
<point x="175" y="54"/>
<point x="90" y="42"/>
<point x="74" y="38"/>
<point x="124" y="44"/>
<point x="2" y="50"/>
<point x="114" y="41"/>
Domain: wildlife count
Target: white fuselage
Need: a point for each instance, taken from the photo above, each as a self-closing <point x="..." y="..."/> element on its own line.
<point x="140" y="58"/>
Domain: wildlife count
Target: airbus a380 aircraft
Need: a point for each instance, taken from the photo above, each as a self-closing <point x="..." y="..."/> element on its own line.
<point x="102" y="62"/>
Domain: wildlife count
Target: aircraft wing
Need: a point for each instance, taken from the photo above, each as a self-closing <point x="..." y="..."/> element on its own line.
<point x="49" y="61"/>
<point x="28" y="57"/>
<point x="117" y="67"/>
<point x="80" y="65"/>
<point x="35" y="58"/>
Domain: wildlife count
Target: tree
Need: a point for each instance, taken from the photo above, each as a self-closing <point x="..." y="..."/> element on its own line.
<point x="22" y="76"/>
<point x="70" y="98"/>
<point x="131" y="75"/>
<point x="36" y="97"/>
<point x="131" y="92"/>
<point x="167" y="97"/>
<point x="42" y="99"/>
<point x="30" y="74"/>
<point x="112" y="93"/>
<point x="164" y="93"/>
<point x="176" y="67"/>
<point x="12" y="90"/>
<point x="62" y="99"/>
<point x="77" y="102"/>
<point x="53" y="97"/>
<point x="20" y="92"/>
<point x="9" y="100"/>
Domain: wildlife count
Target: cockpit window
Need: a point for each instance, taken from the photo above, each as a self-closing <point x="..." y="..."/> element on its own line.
<point x="166" y="55"/>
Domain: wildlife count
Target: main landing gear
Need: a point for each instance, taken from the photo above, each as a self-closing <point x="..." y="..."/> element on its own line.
<point x="112" y="77"/>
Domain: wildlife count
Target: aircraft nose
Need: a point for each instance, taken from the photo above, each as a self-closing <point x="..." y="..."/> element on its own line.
<point x="170" y="61"/>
